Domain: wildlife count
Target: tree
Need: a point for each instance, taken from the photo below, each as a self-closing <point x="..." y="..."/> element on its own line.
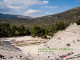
<point x="37" y="31"/>
<point x="78" y="22"/>
<point x="60" y="26"/>
<point x="44" y="36"/>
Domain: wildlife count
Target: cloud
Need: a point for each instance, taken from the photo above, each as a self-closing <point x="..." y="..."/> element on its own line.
<point x="21" y="4"/>
<point x="30" y="12"/>
<point x="54" y="7"/>
<point x="45" y="2"/>
<point x="48" y="13"/>
<point x="3" y="6"/>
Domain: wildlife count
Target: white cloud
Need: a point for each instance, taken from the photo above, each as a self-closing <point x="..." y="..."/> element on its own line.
<point x="22" y="4"/>
<point x="45" y="2"/>
<point x="3" y="6"/>
<point x="49" y="7"/>
<point x="48" y="13"/>
<point x="30" y="12"/>
<point x="19" y="6"/>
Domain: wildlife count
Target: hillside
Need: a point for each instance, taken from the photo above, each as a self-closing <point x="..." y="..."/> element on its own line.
<point x="66" y="16"/>
<point x="71" y="14"/>
<point x="64" y="45"/>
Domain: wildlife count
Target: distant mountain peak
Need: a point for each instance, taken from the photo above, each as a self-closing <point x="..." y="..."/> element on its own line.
<point x="3" y="16"/>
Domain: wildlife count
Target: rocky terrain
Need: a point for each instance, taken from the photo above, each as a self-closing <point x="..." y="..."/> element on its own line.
<point x="64" y="45"/>
<point x="10" y="52"/>
<point x="24" y="40"/>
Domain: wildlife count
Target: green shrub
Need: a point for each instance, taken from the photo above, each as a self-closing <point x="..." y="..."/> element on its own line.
<point x="78" y="22"/>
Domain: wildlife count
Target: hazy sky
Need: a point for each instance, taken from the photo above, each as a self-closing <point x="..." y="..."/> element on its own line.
<point x="36" y="8"/>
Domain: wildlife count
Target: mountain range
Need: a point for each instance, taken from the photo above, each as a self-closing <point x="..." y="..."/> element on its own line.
<point x="6" y="16"/>
<point x="66" y="16"/>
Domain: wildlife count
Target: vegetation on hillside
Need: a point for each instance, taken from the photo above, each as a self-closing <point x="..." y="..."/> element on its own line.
<point x="41" y="27"/>
<point x="9" y="31"/>
<point x="78" y="22"/>
<point x="67" y="16"/>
